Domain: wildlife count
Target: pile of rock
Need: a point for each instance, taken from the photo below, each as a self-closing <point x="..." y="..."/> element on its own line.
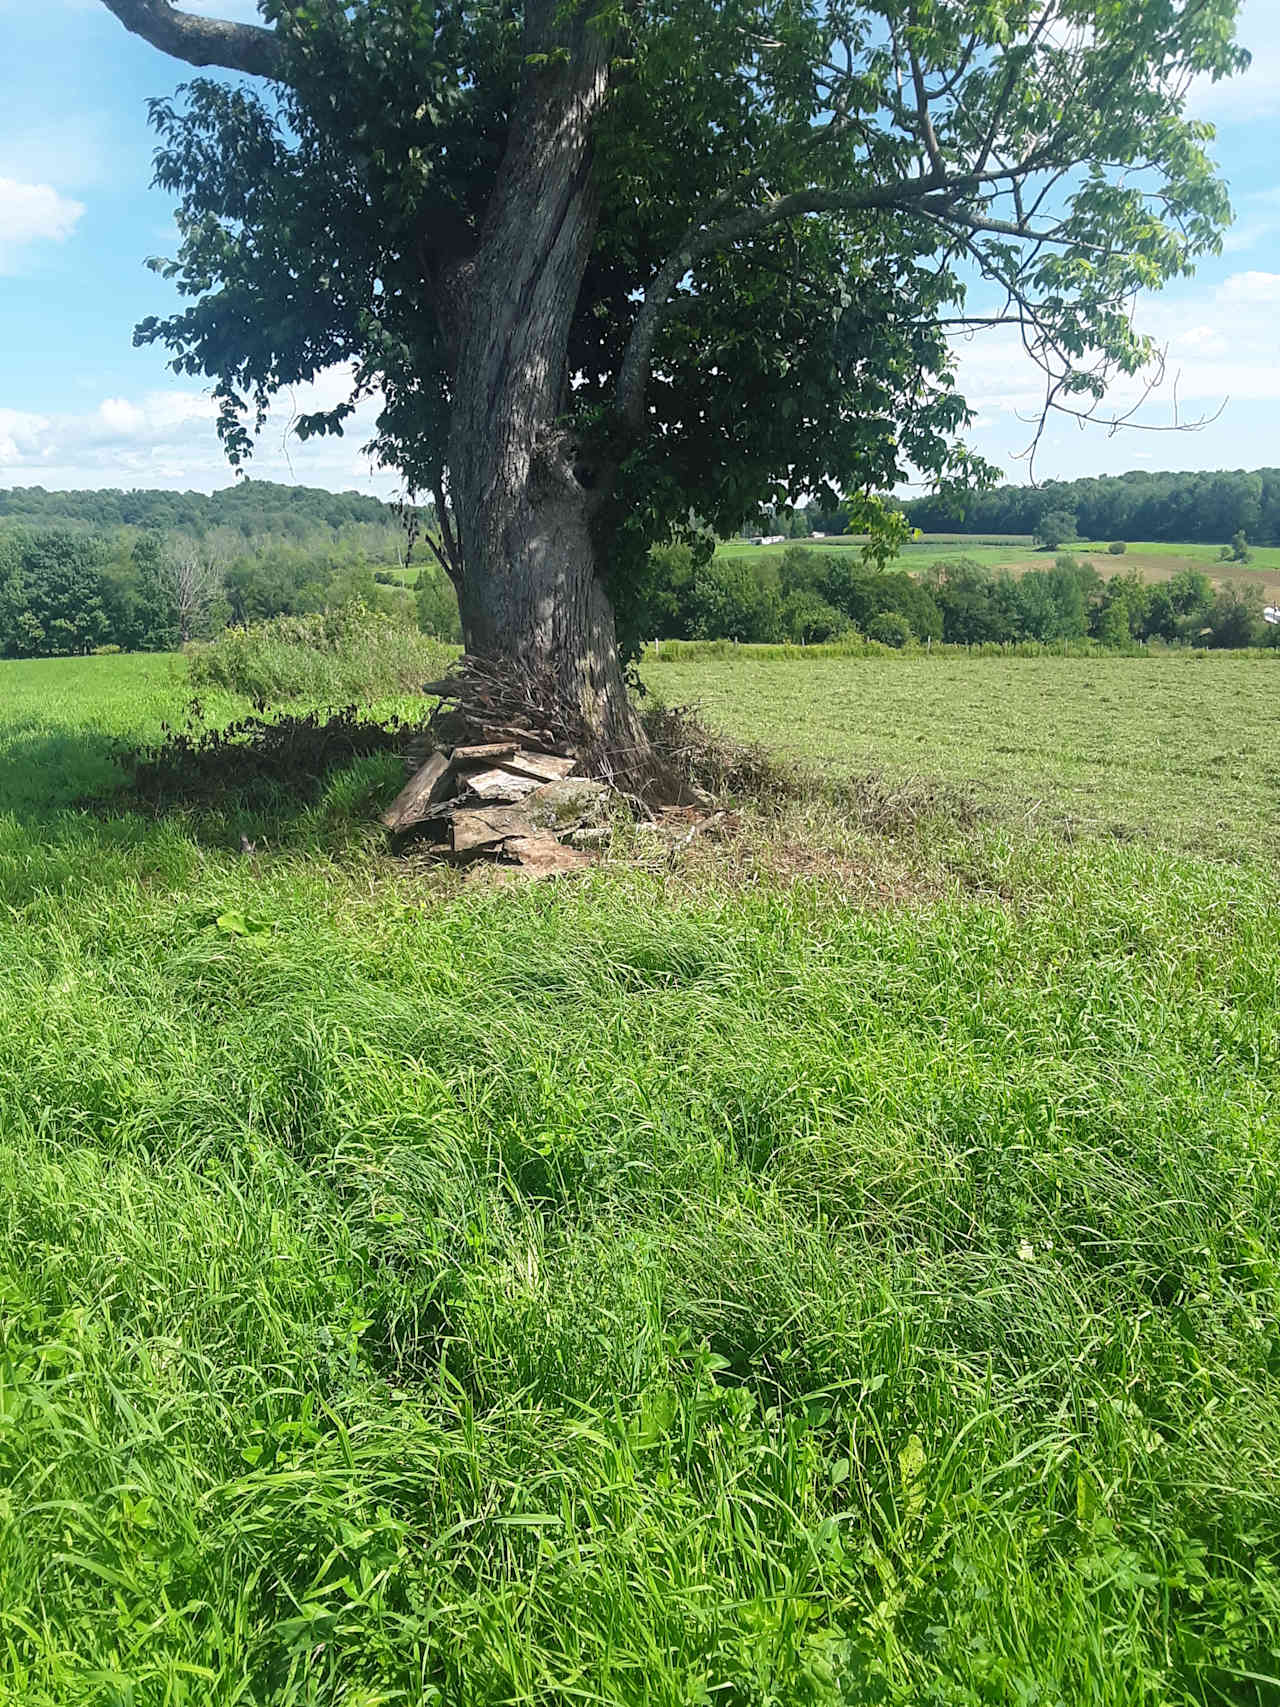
<point x="499" y="800"/>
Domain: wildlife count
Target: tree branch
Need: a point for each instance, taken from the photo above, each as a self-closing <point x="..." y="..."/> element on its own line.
<point x="203" y="41"/>
<point x="451" y="559"/>
<point x="923" y="119"/>
<point x="932" y="194"/>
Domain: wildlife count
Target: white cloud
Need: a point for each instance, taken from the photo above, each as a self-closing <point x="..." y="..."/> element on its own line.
<point x="1221" y="353"/>
<point x="1251" y="289"/>
<point x="20" y="436"/>
<point x="167" y="439"/>
<point x="156" y="415"/>
<point x="32" y="213"/>
<point x="1222" y="343"/>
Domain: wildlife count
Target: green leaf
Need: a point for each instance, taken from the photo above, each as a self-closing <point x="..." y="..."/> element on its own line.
<point x="235" y="923"/>
<point x="911" y="1468"/>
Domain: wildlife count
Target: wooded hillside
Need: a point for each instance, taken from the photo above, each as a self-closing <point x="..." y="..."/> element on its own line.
<point x="1205" y="507"/>
<point x="250" y="507"/>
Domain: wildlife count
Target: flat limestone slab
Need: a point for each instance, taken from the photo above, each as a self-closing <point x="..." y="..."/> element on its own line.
<point x="420" y="793"/>
<point x="544" y="856"/>
<point x="500" y="784"/>
<point x="479" y="827"/>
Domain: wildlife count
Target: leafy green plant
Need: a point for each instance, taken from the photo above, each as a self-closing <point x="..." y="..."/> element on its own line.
<point x="333" y="656"/>
<point x="889" y="629"/>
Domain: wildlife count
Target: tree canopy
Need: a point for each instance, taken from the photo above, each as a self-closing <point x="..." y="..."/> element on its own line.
<point x="779" y="213"/>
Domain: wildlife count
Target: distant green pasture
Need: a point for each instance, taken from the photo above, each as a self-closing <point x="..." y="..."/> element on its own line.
<point x="1154" y="561"/>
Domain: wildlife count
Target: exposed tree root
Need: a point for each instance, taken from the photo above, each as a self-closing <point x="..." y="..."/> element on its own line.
<point x="485" y="701"/>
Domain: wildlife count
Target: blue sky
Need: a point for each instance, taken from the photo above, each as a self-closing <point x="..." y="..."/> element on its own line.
<point x="79" y="406"/>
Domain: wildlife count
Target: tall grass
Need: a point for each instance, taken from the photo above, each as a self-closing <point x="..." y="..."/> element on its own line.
<point x="331" y="657"/>
<point x="644" y="1291"/>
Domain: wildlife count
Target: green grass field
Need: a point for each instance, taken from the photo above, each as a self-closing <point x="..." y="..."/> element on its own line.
<point x="689" y="1284"/>
<point x="1175" y="745"/>
<point x="1153" y="561"/>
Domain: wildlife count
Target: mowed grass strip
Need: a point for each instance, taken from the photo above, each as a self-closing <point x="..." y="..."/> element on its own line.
<point x="640" y="1290"/>
<point x="1174" y="746"/>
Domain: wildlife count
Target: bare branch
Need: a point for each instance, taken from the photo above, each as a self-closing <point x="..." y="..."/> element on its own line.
<point x="440" y="557"/>
<point x="1063" y="373"/>
<point x="203" y="41"/>
<point x="1118" y="420"/>
<point x="451" y="557"/>
<point x="191" y="573"/>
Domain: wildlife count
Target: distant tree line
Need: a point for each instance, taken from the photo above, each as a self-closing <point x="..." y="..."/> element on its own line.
<point x="808" y="596"/>
<point x="251" y="508"/>
<point x="79" y="571"/>
<point x="147" y="571"/>
<point x="803" y="595"/>
<point x="1199" y="508"/>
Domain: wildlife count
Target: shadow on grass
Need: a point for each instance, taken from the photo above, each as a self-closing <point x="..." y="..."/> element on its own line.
<point x="302" y="780"/>
<point x="48" y="768"/>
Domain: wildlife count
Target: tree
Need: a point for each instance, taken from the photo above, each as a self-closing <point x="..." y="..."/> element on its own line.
<point x="889" y="628"/>
<point x="1235" y="616"/>
<point x="975" y="606"/>
<point x="611" y="266"/>
<point x="53" y="594"/>
<point x="1112" y="624"/>
<point x="729" y="602"/>
<point x="190" y="576"/>
<point x="1122" y="612"/>
<point x="808" y="618"/>
<point x="1055" y="528"/>
<point x="1191" y="594"/>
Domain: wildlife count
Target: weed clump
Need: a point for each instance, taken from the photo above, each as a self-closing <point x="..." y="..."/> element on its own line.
<point x="710" y="760"/>
<point x="331" y="656"/>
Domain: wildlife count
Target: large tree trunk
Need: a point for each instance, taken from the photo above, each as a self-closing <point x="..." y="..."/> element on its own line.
<point x="523" y="502"/>
<point x="533" y="597"/>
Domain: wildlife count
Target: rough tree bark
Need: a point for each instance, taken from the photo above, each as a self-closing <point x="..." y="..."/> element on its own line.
<point x="524" y="503"/>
